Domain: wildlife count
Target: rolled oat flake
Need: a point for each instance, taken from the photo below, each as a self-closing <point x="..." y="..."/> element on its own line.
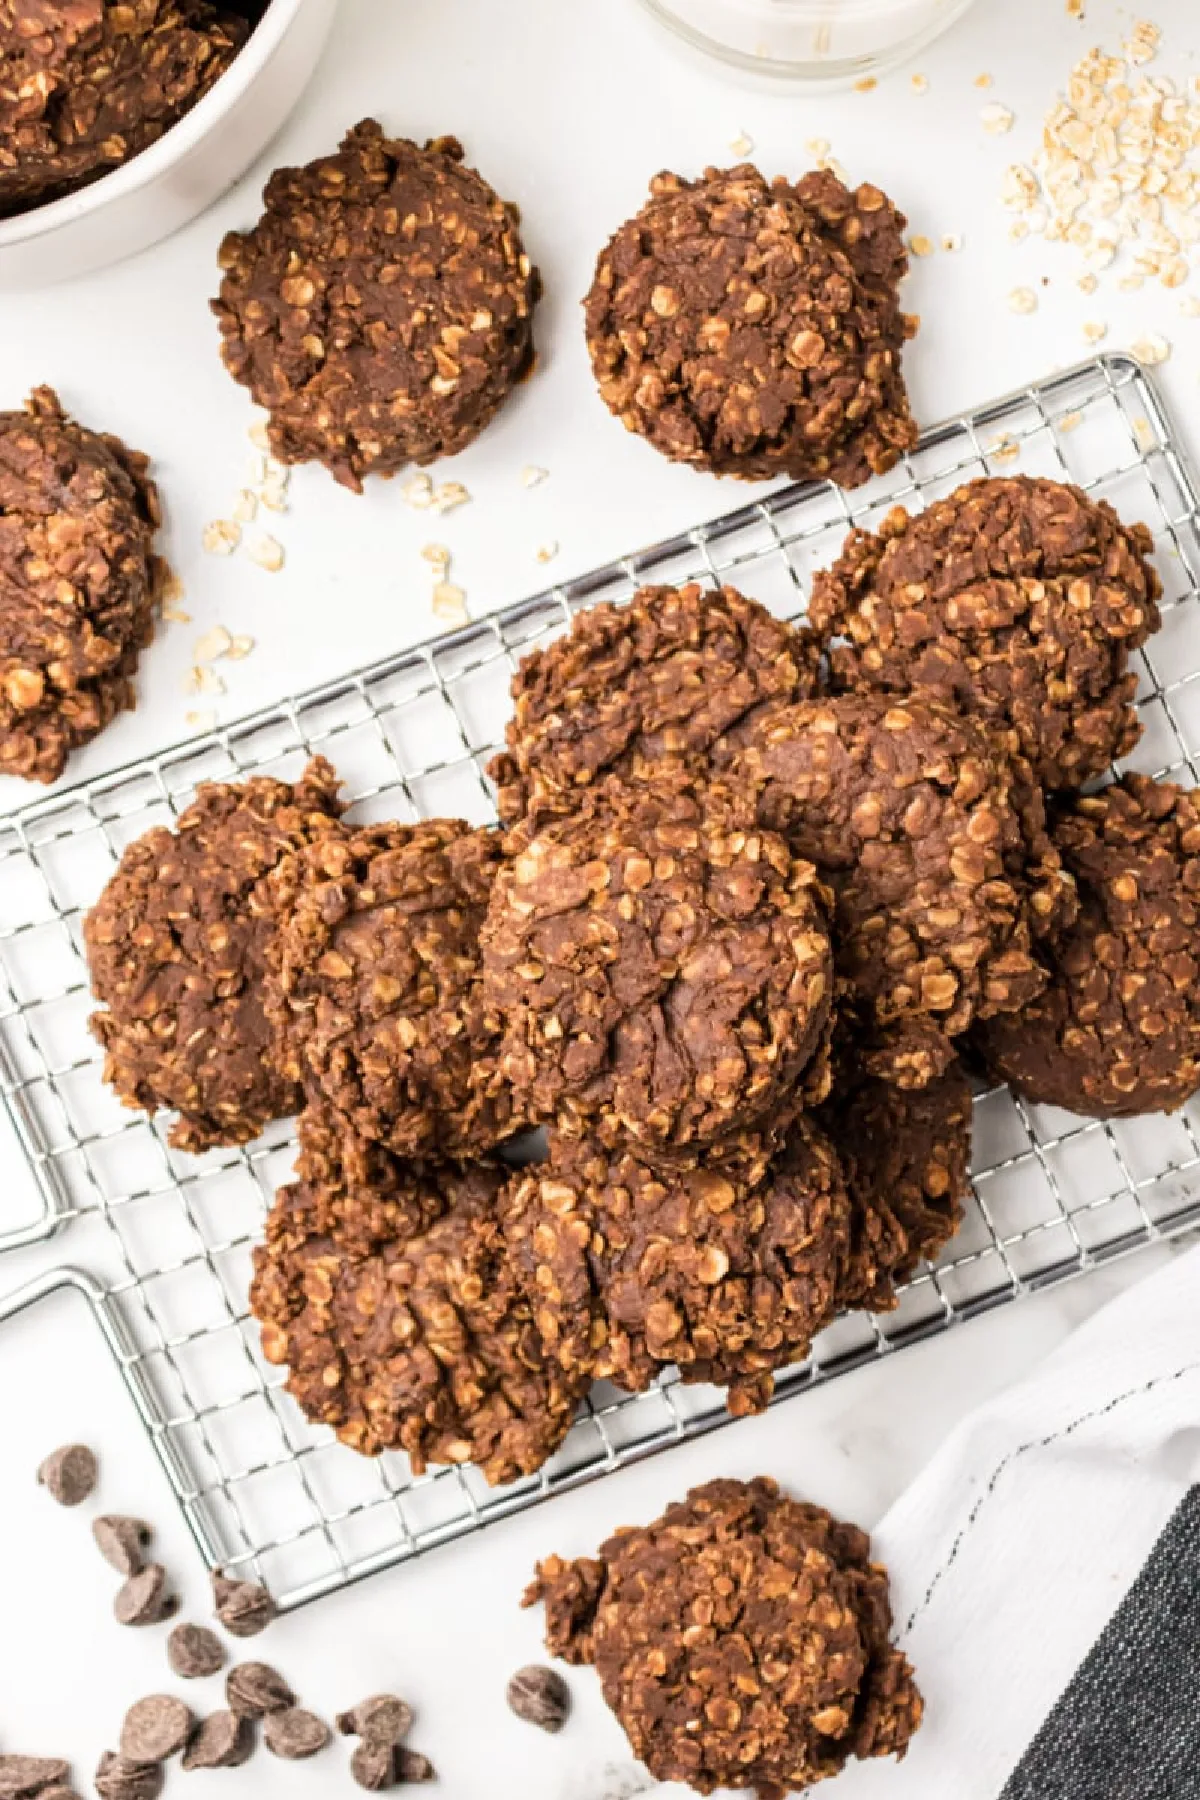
<point x="117" y="1778"/>
<point x="540" y="1696"/>
<point x="222" y="1741"/>
<point x="69" y="1475"/>
<point x="194" y="1651"/>
<point x="244" y="1608"/>
<point x="143" y="1599"/>
<point x="254" y="1689"/>
<point x="294" y="1734"/>
<point x="155" y="1729"/>
<point x="22" y="1775"/>
<point x="384" y="1718"/>
<point x="121" y="1542"/>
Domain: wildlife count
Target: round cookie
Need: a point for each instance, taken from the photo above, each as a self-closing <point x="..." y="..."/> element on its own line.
<point x="741" y="1640"/>
<point x="381" y="309"/>
<point x="1117" y="1030"/>
<point x="906" y="1156"/>
<point x="727" y="1270"/>
<point x="753" y="329"/>
<point x="78" y="583"/>
<point x="426" y="1346"/>
<point x="1018" y="600"/>
<point x="660" y="971"/>
<point x="373" y="985"/>
<point x="631" y="688"/>
<point x="176" y="946"/>
<point x="909" y="816"/>
<point x="87" y="84"/>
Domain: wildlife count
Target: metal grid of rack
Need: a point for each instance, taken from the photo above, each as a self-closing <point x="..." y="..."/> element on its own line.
<point x="166" y="1237"/>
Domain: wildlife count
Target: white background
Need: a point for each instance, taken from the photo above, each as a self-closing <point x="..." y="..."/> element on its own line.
<point x="568" y="106"/>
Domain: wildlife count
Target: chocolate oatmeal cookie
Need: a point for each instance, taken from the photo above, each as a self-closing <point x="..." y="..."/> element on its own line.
<point x="727" y="1270"/>
<point x="905" y="1155"/>
<point x="908" y="814"/>
<point x="1117" y="1031"/>
<point x="425" y="1346"/>
<point x="176" y="946"/>
<point x="381" y="309"/>
<point x="631" y="688"/>
<point x="753" y="329"/>
<point x="373" y="984"/>
<point x="661" y="971"/>
<point x="363" y="1194"/>
<point x="1017" y="600"/>
<point x="78" y="583"/>
<point x="87" y="84"/>
<point x="741" y="1640"/>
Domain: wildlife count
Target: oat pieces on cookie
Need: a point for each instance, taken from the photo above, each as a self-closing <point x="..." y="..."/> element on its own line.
<point x="176" y="948"/>
<point x="742" y="1640"/>
<point x="381" y="309"/>
<point x="753" y="328"/>
<point x="660" y="969"/>
<point x="1117" y="1030"/>
<point x="908" y="814"/>
<point x="632" y="688"/>
<point x="87" y="84"/>
<point x="373" y="983"/>
<point x="427" y="1346"/>
<point x="726" y="1270"/>
<point x="1018" y="600"/>
<point x="78" y="583"/>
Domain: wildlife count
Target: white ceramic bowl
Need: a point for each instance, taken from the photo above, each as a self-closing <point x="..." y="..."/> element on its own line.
<point x="186" y="170"/>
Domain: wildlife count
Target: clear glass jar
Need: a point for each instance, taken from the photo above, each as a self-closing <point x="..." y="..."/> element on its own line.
<point x="815" y="41"/>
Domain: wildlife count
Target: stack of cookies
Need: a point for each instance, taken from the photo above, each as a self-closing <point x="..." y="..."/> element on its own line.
<point x="757" y="889"/>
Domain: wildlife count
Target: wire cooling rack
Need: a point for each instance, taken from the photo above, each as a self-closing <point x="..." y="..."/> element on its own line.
<point x="166" y="1238"/>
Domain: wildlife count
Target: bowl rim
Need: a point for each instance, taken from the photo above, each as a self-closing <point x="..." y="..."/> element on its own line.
<point x="141" y="170"/>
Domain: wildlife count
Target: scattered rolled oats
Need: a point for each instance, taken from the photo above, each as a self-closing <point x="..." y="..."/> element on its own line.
<point x="865" y="85"/>
<point x="256" y="469"/>
<point x="1141" y="46"/>
<point x="213" y="644"/>
<point x="203" y="680"/>
<point x="1095" y="330"/>
<point x="1190" y="306"/>
<point x="547" y="552"/>
<point x="175" y="615"/>
<point x="741" y="145"/>
<point x="1022" y="300"/>
<point x="983" y="81"/>
<point x="245" y="506"/>
<point x="222" y="537"/>
<point x="437" y="555"/>
<point x="239" y="647"/>
<point x="1006" y="449"/>
<point x="449" y="494"/>
<point x="920" y="84"/>
<point x="1070" y="421"/>
<point x="921" y="246"/>
<point x="1151" y="349"/>
<point x="267" y="552"/>
<point x="258" y="435"/>
<point x="450" y="602"/>
<point x="200" y="721"/>
<point x="531" y="475"/>
<point x="997" y="119"/>
<point x="952" y="240"/>
<point x="1075" y="9"/>
<point x="273" y="497"/>
<point x="1087" y="284"/>
<point x="418" y="492"/>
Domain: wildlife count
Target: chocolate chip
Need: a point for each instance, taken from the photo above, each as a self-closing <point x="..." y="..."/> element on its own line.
<point x="121" y="1542"/>
<point x="243" y="1607"/>
<point x="22" y="1775"/>
<point x="384" y="1718"/>
<point x="222" y="1741"/>
<point x="540" y="1696"/>
<point x="412" y="1766"/>
<point x="294" y="1734"/>
<point x="194" y="1651"/>
<point x="254" y="1689"/>
<point x="117" y="1778"/>
<point x="143" y="1599"/>
<point x="155" y="1728"/>
<point x="69" y="1475"/>
<point x="373" y="1765"/>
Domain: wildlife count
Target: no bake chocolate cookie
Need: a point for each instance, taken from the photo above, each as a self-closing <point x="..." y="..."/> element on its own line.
<point x="176" y="947"/>
<point x="1117" y="1030"/>
<point x="742" y="1640"/>
<point x="78" y="583"/>
<point x="909" y="816"/>
<point x="660" y="969"/>
<point x="426" y="1346"/>
<point x="1017" y="600"/>
<point x="87" y="84"/>
<point x="727" y="1270"/>
<point x="381" y="309"/>
<point x="633" y="688"/>
<point x="374" y="983"/>
<point x="753" y="328"/>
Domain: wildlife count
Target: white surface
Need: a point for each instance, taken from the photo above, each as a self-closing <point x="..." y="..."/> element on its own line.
<point x="144" y="200"/>
<point x="568" y="108"/>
